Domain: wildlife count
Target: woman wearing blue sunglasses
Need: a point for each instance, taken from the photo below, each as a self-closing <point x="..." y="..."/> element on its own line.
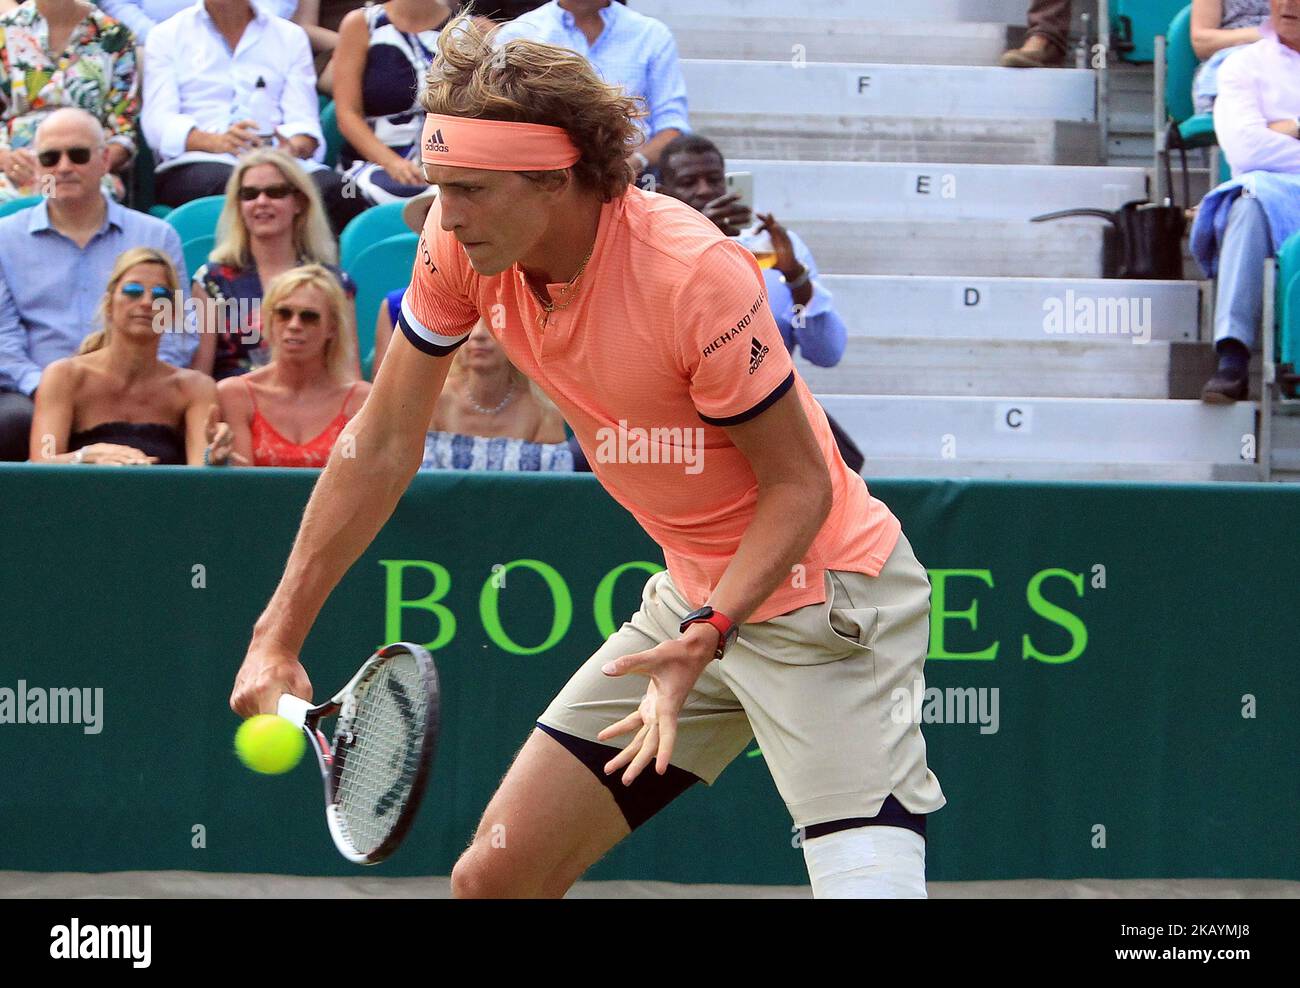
<point x="115" y="402"/>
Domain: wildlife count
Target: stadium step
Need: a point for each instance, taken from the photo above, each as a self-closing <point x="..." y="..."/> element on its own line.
<point x="1057" y="470"/>
<point x="930" y="11"/>
<point x="978" y="248"/>
<point x="1015" y="308"/>
<point x="801" y="136"/>
<point x="1061" y="368"/>
<point x="868" y="91"/>
<point x="791" y="38"/>
<point x="842" y="190"/>
<point x="1044" y="430"/>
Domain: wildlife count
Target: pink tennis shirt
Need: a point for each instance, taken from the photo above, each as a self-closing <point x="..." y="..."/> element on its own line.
<point x="669" y="338"/>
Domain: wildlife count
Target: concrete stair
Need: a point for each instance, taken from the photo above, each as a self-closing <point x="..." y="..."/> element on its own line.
<point x="951" y="429"/>
<point x="793" y="39"/>
<point x="934" y="12"/>
<point x="980" y="248"/>
<point x="865" y="90"/>
<point x="842" y="190"/>
<point x="1019" y="309"/>
<point x="1066" y="368"/>
<point x="842" y="112"/>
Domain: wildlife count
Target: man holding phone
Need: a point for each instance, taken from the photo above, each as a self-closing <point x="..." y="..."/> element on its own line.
<point x="694" y="171"/>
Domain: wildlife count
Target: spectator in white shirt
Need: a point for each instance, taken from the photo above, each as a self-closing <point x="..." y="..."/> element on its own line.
<point x="142" y="15"/>
<point x="627" y="49"/>
<point x="200" y="104"/>
<point x="1245" y="221"/>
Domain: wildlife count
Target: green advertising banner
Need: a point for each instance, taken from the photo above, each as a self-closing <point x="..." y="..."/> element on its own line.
<point x="1112" y="689"/>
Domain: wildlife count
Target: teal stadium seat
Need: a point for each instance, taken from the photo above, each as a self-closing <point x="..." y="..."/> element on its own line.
<point x="14" y="205"/>
<point x="1288" y="316"/>
<point x="1187" y="128"/>
<point x="1195" y="129"/>
<point x="1137" y="22"/>
<point x="329" y="125"/>
<point x="377" y="270"/>
<point x="196" y="251"/>
<point x="375" y="224"/>
<point x="197" y="218"/>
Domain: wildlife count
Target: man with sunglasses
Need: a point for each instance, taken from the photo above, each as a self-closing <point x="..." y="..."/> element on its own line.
<point x="55" y="259"/>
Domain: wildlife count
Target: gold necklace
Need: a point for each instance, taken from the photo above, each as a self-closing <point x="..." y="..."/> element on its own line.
<point x="569" y="291"/>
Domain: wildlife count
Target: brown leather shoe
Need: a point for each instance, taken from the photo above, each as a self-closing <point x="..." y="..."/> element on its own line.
<point x="1224" y="388"/>
<point x="1032" y="58"/>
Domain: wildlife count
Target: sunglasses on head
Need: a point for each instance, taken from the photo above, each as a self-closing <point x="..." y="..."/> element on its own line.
<point x="250" y="192"/>
<point x="308" y="317"/>
<point x="78" y="156"/>
<point x="134" y="290"/>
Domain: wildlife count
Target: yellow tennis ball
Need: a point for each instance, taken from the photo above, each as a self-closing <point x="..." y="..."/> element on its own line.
<point x="269" y="744"/>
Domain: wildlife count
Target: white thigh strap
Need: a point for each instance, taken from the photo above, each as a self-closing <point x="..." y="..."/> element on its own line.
<point x="871" y="862"/>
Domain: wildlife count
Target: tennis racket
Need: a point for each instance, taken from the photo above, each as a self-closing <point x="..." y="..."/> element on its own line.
<point x="377" y="766"/>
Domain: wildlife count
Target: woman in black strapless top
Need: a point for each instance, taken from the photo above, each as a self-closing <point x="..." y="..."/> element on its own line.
<point x="115" y="402"/>
<point x="163" y="443"/>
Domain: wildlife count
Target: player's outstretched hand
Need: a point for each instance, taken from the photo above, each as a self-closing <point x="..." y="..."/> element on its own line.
<point x="267" y="673"/>
<point x="672" y="667"/>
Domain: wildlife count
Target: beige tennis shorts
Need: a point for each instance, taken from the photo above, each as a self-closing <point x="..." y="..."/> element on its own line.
<point x="813" y="687"/>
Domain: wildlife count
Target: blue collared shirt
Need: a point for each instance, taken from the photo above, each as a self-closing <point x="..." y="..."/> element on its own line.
<point x="817" y="332"/>
<point x="634" y="51"/>
<point x="50" y="288"/>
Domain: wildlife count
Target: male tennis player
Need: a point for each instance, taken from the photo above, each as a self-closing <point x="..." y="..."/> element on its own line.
<point x="792" y="606"/>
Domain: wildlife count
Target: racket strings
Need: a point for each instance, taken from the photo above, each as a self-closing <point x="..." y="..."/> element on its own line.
<point x="383" y="743"/>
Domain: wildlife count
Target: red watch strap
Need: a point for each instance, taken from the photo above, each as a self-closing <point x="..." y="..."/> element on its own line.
<point x="726" y="629"/>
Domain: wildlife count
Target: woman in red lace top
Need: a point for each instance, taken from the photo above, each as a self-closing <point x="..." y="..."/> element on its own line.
<point x="291" y="412"/>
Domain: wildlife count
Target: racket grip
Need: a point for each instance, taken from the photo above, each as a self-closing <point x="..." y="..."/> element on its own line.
<point x="293" y="708"/>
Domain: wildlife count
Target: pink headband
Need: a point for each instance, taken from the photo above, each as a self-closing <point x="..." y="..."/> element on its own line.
<point x="498" y="145"/>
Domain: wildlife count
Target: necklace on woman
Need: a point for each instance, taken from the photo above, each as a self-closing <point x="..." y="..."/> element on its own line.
<point x="569" y="292"/>
<point x="510" y="393"/>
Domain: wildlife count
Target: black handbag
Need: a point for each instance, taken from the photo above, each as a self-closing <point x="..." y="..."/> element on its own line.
<point x="1144" y="239"/>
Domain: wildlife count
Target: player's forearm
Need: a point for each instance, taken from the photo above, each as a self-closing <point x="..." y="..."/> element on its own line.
<point x="786" y="520"/>
<point x="353" y="499"/>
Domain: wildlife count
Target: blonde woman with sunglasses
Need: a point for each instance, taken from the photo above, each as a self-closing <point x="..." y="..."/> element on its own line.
<point x="272" y="222"/>
<point x="291" y="412"/>
<point x="115" y="402"/>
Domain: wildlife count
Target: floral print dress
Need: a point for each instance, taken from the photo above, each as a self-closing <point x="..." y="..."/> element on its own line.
<point x="95" y="72"/>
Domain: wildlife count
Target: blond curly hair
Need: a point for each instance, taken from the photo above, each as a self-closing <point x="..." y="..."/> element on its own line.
<point x="530" y="82"/>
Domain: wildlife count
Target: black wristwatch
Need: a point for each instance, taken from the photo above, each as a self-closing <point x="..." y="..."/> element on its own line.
<point x="726" y="628"/>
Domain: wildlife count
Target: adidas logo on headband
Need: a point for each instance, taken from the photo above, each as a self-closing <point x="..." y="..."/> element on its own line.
<point x="434" y="143"/>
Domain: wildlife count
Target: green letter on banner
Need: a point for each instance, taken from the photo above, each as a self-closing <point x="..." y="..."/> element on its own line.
<point x="1058" y="615"/>
<point x="603" y="605"/>
<point x="394" y="604"/>
<point x="939" y="612"/>
<point x="491" y="614"/>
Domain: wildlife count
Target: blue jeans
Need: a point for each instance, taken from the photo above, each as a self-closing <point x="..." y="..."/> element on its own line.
<point x="1247" y="244"/>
